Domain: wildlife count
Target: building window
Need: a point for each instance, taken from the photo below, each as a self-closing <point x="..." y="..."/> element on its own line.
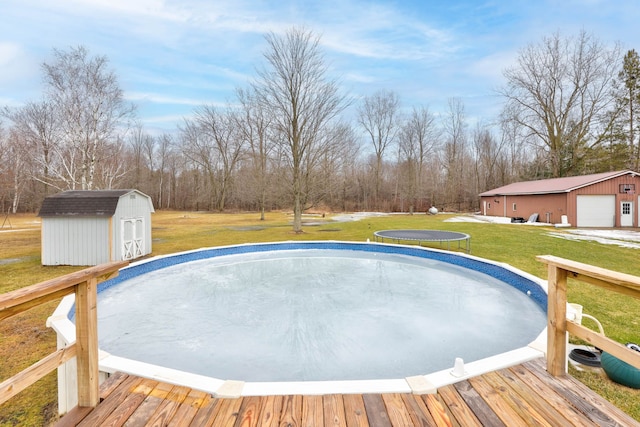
<point x="627" y="188"/>
<point x="626" y="208"/>
<point x="489" y="205"/>
<point x="514" y="206"/>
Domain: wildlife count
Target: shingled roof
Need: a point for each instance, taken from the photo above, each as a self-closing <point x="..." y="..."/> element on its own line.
<point x="82" y="203"/>
<point x="554" y="185"/>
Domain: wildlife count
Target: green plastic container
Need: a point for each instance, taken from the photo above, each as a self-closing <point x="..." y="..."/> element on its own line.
<point x="620" y="371"/>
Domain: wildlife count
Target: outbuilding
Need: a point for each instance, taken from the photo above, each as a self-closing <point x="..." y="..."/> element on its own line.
<point x="93" y="227"/>
<point x="599" y="200"/>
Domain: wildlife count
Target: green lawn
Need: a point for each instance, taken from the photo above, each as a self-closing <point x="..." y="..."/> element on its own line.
<point x="25" y="339"/>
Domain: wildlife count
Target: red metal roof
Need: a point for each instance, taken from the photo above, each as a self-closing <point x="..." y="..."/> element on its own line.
<point x="554" y="185"/>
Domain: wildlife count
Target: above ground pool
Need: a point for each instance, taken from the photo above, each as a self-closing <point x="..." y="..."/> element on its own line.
<point x="317" y="311"/>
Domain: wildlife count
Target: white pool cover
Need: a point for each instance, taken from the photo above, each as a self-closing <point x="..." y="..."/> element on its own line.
<point x="318" y="314"/>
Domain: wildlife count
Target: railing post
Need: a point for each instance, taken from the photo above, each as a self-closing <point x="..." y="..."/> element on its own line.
<point x="557" y="321"/>
<point x="87" y="343"/>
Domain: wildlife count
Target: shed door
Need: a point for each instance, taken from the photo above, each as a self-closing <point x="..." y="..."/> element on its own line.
<point x="596" y="211"/>
<point x="132" y="238"/>
<point x="626" y="214"/>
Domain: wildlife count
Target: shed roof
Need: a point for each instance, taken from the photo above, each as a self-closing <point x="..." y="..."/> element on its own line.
<point x="83" y="203"/>
<point x="555" y="185"/>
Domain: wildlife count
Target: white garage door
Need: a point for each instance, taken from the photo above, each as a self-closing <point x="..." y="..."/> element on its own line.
<point x="596" y="211"/>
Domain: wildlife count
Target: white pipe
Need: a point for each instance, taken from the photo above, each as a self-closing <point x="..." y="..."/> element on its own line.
<point x="595" y="320"/>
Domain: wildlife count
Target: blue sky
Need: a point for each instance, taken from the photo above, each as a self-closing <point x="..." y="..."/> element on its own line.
<point x="172" y="56"/>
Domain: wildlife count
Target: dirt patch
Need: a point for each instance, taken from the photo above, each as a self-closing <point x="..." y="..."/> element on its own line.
<point x="248" y="228"/>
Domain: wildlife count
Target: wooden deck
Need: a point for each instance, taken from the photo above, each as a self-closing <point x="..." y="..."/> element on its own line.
<point x="523" y="395"/>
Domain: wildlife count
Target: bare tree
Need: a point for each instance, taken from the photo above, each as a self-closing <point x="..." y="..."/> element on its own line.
<point x="113" y="166"/>
<point x="255" y="126"/>
<point x="455" y="152"/>
<point x="560" y="92"/>
<point x="149" y="144"/>
<point x="137" y="140"/>
<point x="16" y="164"/>
<point x="323" y="168"/>
<point x="203" y="155"/>
<point x="91" y="108"/>
<point x="513" y="139"/>
<point x="164" y="154"/>
<point x="219" y="130"/>
<point x="488" y="156"/>
<point x="176" y="167"/>
<point x="211" y="140"/>
<point x="378" y="116"/>
<point x="295" y="87"/>
<point x="37" y="125"/>
<point x="337" y="164"/>
<point x="5" y="172"/>
<point x="418" y="140"/>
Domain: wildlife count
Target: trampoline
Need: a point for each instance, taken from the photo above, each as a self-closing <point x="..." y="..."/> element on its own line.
<point x="425" y="236"/>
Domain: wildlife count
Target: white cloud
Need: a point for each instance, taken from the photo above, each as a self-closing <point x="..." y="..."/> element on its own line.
<point x="383" y="32"/>
<point x="9" y="52"/>
<point x="161" y="99"/>
<point x="489" y="68"/>
<point x="18" y="70"/>
<point x="8" y="102"/>
<point x="157" y="9"/>
<point x="358" y="77"/>
<point x="170" y="119"/>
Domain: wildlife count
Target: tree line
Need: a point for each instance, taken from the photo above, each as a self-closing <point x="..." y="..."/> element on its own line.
<point x="284" y="141"/>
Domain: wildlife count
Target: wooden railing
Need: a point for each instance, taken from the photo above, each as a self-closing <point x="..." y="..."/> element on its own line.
<point x="84" y="284"/>
<point x="558" y="325"/>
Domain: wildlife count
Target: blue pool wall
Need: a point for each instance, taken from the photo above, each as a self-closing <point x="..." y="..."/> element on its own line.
<point x="523" y="284"/>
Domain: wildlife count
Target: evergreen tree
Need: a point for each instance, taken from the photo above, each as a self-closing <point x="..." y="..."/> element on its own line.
<point x="629" y="99"/>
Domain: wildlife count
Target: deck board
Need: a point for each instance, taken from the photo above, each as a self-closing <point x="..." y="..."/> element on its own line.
<point x="518" y="396"/>
<point x="149" y="404"/>
<point x="355" y="411"/>
<point x="207" y="413"/>
<point x="477" y="405"/>
<point x="587" y="403"/>
<point x="460" y="412"/>
<point x="169" y="406"/>
<point x="537" y="402"/>
<point x="564" y="407"/>
<point x="118" y="405"/>
<point x="189" y="408"/>
<point x="496" y="402"/>
<point x="440" y="413"/>
<point x="249" y="415"/>
<point x="418" y="411"/>
<point x="376" y="411"/>
<point x="397" y="410"/>
<point x="228" y="413"/>
<point x="270" y="412"/>
<point x="334" y="412"/>
<point x="313" y="411"/>
<point x="521" y="406"/>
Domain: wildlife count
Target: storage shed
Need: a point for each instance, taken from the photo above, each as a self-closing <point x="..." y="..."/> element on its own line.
<point x="599" y="200"/>
<point x="94" y="227"/>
